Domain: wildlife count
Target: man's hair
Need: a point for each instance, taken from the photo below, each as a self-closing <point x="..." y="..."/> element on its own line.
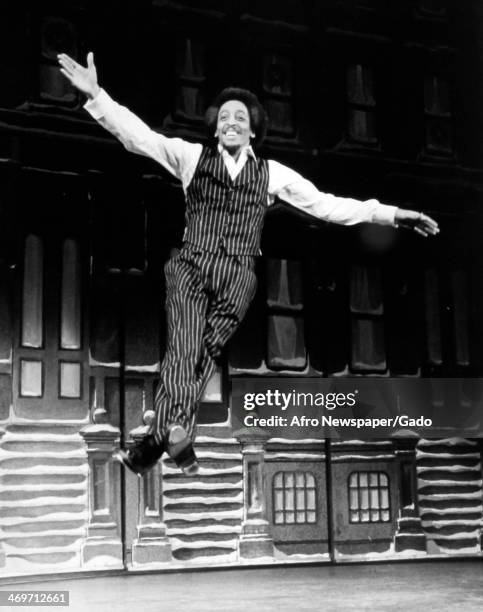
<point x="258" y="116"/>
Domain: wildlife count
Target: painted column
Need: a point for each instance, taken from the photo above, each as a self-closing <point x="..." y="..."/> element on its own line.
<point x="2" y="552"/>
<point x="103" y="530"/>
<point x="409" y="533"/>
<point x="255" y="538"/>
<point x="152" y="544"/>
<point x="480" y="444"/>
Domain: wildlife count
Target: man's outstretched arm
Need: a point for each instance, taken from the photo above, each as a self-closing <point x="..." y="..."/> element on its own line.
<point x="178" y="156"/>
<point x="291" y="187"/>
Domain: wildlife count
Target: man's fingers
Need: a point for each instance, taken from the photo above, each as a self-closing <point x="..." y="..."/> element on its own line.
<point x="90" y="60"/>
<point x="66" y="59"/>
<point x="430" y="223"/>
<point x="66" y="74"/>
<point x="66" y="64"/>
<point x="420" y="231"/>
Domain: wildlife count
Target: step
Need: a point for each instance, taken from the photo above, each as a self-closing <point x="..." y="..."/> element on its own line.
<point x="208" y="555"/>
<point x="44" y="524"/>
<point x="48" y="479"/>
<point x="193" y="539"/>
<point x="444" y="531"/>
<point x="451" y="514"/>
<point x="52" y="460"/>
<point x="230" y="544"/>
<point x="218" y="455"/>
<point x="198" y="485"/>
<point x="407" y="524"/>
<point x="43" y="470"/>
<point x="13" y="494"/>
<point x="205" y="464"/>
<point x="32" y="447"/>
<point x="201" y="515"/>
<point x="462" y="475"/>
<point x="212" y="529"/>
<point x="213" y="522"/>
<point x="38" y="511"/>
<point x="457" y="547"/>
<point x="475" y="495"/>
<point x="447" y="442"/>
<point x="188" y="493"/>
<point x="446" y="455"/>
<point x="447" y="522"/>
<point x="171" y="469"/>
<point x="53" y="556"/>
<point x="448" y="490"/>
<point x="18" y="542"/>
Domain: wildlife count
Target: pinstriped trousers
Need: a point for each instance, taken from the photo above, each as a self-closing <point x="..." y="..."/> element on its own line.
<point x="207" y="296"/>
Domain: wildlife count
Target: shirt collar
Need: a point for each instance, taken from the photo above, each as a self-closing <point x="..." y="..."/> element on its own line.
<point x="247" y="149"/>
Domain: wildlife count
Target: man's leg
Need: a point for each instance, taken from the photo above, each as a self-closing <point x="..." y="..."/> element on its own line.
<point x="186" y="306"/>
<point x="233" y="287"/>
<point x="198" y="328"/>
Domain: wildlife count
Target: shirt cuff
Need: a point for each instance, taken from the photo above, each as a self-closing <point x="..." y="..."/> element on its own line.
<point x="385" y="214"/>
<point x="96" y="107"/>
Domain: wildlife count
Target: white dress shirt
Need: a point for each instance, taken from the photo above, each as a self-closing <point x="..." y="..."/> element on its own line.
<point x="181" y="157"/>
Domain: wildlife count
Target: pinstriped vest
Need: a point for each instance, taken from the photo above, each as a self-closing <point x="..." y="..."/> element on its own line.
<point x="221" y="212"/>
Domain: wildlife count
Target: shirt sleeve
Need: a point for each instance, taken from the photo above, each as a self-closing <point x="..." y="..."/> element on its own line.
<point x="178" y="156"/>
<point x="292" y="188"/>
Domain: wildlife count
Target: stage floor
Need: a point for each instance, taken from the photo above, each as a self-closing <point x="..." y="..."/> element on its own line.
<point x="432" y="587"/>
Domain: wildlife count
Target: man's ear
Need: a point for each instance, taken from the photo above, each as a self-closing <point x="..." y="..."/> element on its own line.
<point x="252" y="135"/>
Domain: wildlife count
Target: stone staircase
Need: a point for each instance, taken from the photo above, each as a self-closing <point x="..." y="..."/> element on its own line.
<point x="450" y="494"/>
<point x="203" y="513"/>
<point x="43" y="497"/>
<point x="409" y="532"/>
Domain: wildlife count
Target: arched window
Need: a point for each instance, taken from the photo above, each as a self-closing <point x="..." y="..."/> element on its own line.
<point x="294" y="498"/>
<point x="369" y="500"/>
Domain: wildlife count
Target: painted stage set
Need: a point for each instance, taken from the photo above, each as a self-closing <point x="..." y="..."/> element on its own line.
<point x="364" y="100"/>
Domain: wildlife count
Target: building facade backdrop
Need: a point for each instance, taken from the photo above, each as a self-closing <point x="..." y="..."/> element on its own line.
<point x="364" y="98"/>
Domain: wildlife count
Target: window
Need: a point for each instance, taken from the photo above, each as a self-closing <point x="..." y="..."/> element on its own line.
<point x="437" y="116"/>
<point x="190" y="72"/>
<point x="278" y="94"/>
<point x="285" y="340"/>
<point x="56" y="36"/>
<point x="432" y="8"/>
<point x="369" y="497"/>
<point x="367" y="310"/>
<point x="294" y="498"/>
<point x="31" y="378"/>
<point x="361" y="126"/>
<point x="33" y="291"/>
<point x="70" y="332"/>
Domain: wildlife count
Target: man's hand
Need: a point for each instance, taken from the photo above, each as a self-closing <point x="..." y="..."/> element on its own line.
<point x="84" y="79"/>
<point x="417" y="221"/>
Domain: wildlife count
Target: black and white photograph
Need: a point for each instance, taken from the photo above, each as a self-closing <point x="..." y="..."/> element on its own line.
<point x="241" y="305"/>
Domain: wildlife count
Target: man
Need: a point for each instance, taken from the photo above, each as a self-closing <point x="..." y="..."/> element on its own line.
<point x="211" y="282"/>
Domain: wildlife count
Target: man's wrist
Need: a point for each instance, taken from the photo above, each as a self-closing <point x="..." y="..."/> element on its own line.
<point x="91" y="95"/>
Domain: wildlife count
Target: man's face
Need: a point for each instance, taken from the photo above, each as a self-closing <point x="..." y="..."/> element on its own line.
<point x="233" y="127"/>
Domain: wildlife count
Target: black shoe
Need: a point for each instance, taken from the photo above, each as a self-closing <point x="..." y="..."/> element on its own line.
<point x="142" y="456"/>
<point x="180" y="449"/>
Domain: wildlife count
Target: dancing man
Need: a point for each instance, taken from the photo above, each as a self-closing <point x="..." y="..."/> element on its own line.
<point x="211" y="282"/>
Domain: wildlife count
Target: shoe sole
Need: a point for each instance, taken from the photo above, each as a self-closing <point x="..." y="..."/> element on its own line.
<point x="178" y="449"/>
<point x="123" y="459"/>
